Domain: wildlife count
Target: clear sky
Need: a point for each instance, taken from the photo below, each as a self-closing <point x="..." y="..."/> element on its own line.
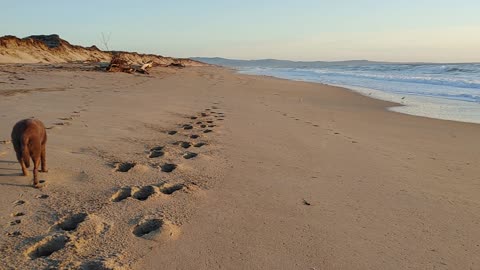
<point x="399" y="30"/>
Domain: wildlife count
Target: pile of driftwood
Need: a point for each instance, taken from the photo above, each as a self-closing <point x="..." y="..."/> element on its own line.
<point x="119" y="64"/>
<point x="122" y="63"/>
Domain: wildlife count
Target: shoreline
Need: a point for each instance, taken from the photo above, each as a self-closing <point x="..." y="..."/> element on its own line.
<point x="417" y="105"/>
<point x="393" y="107"/>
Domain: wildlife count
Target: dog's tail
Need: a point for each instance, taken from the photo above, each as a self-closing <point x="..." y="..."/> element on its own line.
<point x="25" y="152"/>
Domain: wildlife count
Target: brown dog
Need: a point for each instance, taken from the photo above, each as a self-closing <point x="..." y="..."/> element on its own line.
<point x="29" y="139"/>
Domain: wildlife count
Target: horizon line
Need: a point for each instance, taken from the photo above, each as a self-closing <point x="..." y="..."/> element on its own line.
<point x="332" y="61"/>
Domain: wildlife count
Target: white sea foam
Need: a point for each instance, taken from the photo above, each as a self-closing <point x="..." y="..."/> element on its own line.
<point x="450" y="92"/>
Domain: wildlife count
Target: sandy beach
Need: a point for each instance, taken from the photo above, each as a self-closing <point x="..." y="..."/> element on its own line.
<point x="204" y="168"/>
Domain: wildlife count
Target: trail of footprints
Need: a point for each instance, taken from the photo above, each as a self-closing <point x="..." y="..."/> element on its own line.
<point x="142" y="193"/>
<point x="198" y="129"/>
<point x="18" y="215"/>
<point x="60" y="237"/>
<point x="67" y="121"/>
<point x="348" y="138"/>
<point x="50" y="243"/>
<point x="203" y="123"/>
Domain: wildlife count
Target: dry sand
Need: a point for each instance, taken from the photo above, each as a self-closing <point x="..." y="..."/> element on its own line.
<point x="293" y="176"/>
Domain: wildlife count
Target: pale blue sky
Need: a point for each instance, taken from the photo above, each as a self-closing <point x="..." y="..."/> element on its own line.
<point x="407" y="30"/>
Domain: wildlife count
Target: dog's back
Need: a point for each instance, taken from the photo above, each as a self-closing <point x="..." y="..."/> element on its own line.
<point x="29" y="138"/>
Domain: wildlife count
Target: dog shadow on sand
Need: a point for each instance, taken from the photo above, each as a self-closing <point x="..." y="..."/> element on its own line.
<point x="13" y="174"/>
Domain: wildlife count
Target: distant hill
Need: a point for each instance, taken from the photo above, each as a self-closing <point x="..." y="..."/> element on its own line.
<point x="277" y="63"/>
<point x="53" y="49"/>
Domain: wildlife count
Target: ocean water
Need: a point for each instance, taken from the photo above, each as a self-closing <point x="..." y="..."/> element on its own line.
<point x="443" y="91"/>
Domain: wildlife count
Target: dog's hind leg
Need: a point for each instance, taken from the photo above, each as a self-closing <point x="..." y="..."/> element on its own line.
<point x="24" y="168"/>
<point x="44" y="159"/>
<point x="36" y="154"/>
<point x="36" y="165"/>
<point x="19" y="151"/>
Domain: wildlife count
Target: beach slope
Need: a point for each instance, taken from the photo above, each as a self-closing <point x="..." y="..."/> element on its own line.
<point x="203" y="168"/>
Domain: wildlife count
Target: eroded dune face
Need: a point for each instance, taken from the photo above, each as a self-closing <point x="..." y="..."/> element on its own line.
<point x="53" y="49"/>
<point x="46" y="49"/>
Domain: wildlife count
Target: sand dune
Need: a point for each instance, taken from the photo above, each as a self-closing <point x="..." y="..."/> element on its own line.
<point x="53" y="49"/>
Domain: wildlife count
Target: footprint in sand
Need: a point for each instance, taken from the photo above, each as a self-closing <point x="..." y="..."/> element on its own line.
<point x="169" y="189"/>
<point x="153" y="227"/>
<point x="122" y="194"/>
<point x="156" y="152"/>
<point x="143" y="193"/>
<point x="97" y="264"/>
<point x="168" y="167"/>
<point x="189" y="155"/>
<point x="63" y="124"/>
<point x="47" y="246"/>
<point x="15" y="222"/>
<point x="147" y="226"/>
<point x="198" y="145"/>
<point x="187" y="127"/>
<point x="183" y="144"/>
<point x="19" y="202"/>
<point x="71" y="223"/>
<point x="14" y="234"/>
<point x="66" y="118"/>
<point x="125" y="166"/>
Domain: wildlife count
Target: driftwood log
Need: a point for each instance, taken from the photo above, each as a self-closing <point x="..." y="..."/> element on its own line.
<point x="119" y="64"/>
<point x="144" y="67"/>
